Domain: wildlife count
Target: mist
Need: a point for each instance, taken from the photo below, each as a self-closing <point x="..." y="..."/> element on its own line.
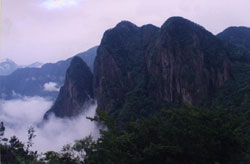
<point x="20" y="114"/>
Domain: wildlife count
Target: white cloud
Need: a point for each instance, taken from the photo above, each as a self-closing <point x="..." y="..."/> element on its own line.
<point x="27" y="110"/>
<point x="18" y="115"/>
<point x="56" y="4"/>
<point x="51" y="86"/>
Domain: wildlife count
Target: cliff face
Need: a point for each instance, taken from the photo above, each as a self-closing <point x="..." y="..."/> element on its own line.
<point x="180" y="62"/>
<point x="187" y="63"/>
<point x="120" y="65"/>
<point x="76" y="93"/>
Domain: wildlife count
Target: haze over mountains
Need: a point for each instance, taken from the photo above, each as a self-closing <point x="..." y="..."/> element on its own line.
<point x="32" y="81"/>
<point x="8" y="66"/>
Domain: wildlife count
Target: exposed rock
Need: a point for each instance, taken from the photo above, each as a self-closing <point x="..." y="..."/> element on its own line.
<point x="77" y="92"/>
<point x="180" y="62"/>
<point x="188" y="63"/>
<point x="120" y="64"/>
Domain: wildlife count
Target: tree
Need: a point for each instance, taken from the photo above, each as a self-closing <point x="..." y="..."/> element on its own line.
<point x="180" y="136"/>
<point x="31" y="136"/>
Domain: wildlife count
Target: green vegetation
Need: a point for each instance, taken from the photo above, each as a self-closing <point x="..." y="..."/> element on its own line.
<point x="180" y="136"/>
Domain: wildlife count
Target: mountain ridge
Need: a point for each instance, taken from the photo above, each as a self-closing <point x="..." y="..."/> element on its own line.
<point x="30" y="81"/>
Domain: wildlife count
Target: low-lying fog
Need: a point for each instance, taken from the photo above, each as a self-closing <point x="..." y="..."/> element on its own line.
<point x="20" y="114"/>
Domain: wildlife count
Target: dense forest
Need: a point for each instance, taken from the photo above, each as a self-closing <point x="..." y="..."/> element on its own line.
<point x="180" y="136"/>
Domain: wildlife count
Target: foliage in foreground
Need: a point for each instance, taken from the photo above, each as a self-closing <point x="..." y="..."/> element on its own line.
<point x="181" y="136"/>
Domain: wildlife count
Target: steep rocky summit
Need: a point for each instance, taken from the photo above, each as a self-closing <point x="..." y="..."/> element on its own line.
<point x="77" y="92"/>
<point x="139" y="67"/>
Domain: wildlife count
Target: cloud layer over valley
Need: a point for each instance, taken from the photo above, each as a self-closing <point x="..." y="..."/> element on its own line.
<point x="20" y="114"/>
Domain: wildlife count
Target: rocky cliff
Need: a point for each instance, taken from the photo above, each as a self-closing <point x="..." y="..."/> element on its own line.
<point x="136" y="67"/>
<point x="187" y="63"/>
<point x="77" y="92"/>
<point x="120" y="65"/>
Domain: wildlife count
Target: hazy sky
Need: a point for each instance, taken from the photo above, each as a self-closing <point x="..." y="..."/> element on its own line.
<point x="52" y="30"/>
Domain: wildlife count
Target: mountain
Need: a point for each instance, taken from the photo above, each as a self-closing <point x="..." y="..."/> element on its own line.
<point x="35" y="65"/>
<point x="239" y="36"/>
<point x="32" y="81"/>
<point x="141" y="69"/>
<point x="235" y="94"/>
<point x="89" y="57"/>
<point x="7" y="66"/>
<point x="77" y="92"/>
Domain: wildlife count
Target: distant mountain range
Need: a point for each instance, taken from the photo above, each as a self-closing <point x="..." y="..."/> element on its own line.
<point x="8" y="66"/>
<point x="33" y="80"/>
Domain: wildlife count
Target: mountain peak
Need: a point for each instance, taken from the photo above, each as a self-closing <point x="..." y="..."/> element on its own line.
<point x="76" y="93"/>
<point x="76" y="60"/>
<point x="7" y="66"/>
<point x="237" y="28"/>
<point x="6" y="61"/>
<point x="180" y="23"/>
<point x="235" y="31"/>
<point x="239" y="36"/>
<point x="126" y="25"/>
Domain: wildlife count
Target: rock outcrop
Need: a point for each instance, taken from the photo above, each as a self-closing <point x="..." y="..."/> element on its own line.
<point x="187" y="64"/>
<point x="180" y="62"/>
<point x="77" y="92"/>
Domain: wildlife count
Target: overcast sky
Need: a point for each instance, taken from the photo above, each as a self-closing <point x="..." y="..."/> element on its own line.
<point x="52" y="30"/>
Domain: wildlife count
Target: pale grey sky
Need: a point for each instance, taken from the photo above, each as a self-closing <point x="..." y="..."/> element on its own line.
<point x="52" y="30"/>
